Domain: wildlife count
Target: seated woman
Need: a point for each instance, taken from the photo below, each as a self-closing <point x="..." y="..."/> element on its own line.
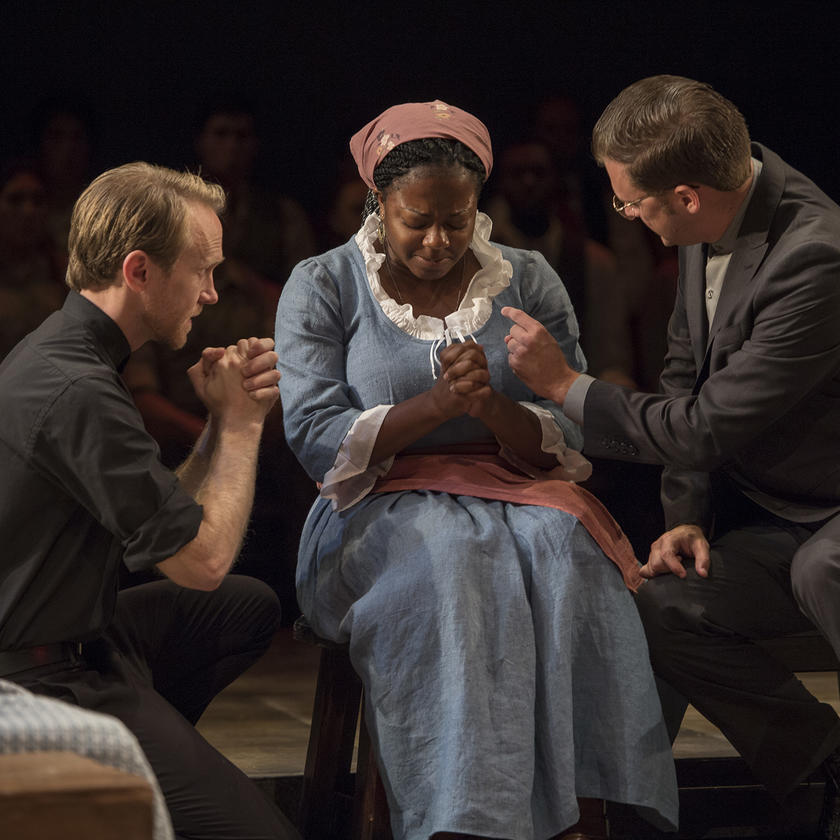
<point x="484" y="596"/>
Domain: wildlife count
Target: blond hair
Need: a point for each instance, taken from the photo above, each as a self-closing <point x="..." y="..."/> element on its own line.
<point x="135" y="207"/>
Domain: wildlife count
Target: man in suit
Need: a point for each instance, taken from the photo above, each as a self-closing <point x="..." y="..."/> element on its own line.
<point x="747" y="426"/>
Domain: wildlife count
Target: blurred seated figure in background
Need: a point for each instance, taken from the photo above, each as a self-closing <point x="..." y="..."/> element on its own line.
<point x="527" y="214"/>
<point x="579" y="185"/>
<point x="649" y="273"/>
<point x="345" y="207"/>
<point x="266" y="231"/>
<point x="31" y="270"/>
<point x="63" y="129"/>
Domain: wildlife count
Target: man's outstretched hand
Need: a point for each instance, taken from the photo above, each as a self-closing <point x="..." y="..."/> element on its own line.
<point x="536" y="358"/>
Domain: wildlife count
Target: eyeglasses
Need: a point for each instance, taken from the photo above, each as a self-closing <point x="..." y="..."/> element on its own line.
<point x="621" y="207"/>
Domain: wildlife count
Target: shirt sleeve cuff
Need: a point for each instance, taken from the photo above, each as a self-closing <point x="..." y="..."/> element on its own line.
<point x="576" y="397"/>
<point x="165" y="533"/>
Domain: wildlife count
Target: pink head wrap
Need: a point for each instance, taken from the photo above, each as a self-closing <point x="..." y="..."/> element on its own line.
<point x="413" y="121"/>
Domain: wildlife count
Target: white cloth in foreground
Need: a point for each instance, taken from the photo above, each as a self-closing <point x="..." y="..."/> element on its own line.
<point x="30" y="723"/>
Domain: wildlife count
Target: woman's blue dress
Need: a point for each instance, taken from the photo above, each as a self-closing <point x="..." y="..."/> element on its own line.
<point x="504" y="664"/>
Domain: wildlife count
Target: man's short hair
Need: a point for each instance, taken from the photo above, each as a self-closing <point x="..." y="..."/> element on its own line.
<point x="669" y="130"/>
<point x="135" y="207"/>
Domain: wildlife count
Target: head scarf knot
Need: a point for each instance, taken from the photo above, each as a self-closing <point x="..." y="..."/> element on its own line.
<point x="414" y="121"/>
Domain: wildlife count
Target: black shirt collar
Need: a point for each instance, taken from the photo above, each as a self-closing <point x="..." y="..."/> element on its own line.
<point x="109" y="335"/>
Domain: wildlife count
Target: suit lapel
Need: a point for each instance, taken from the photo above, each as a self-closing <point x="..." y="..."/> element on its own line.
<point x="752" y="242"/>
<point x="746" y="258"/>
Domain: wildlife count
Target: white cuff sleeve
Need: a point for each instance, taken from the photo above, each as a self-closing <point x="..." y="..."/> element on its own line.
<point x="351" y="477"/>
<point x="571" y="465"/>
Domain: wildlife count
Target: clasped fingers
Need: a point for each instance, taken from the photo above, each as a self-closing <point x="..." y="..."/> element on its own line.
<point x="262" y="380"/>
<point x="457" y="359"/>
<point x="253" y="346"/>
<point x="470" y="380"/>
<point x="260" y="362"/>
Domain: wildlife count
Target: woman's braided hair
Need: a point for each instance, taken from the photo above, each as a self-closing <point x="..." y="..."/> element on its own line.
<point x="427" y="151"/>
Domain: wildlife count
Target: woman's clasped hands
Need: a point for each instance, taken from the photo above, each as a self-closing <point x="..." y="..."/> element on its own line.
<point x="465" y="379"/>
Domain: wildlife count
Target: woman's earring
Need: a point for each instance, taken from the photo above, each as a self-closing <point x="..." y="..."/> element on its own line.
<point x="380" y="231"/>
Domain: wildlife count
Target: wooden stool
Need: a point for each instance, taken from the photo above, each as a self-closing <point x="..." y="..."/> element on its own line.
<point x="332" y="806"/>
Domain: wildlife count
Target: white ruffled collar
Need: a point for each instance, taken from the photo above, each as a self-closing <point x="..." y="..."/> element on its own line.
<point x="474" y="309"/>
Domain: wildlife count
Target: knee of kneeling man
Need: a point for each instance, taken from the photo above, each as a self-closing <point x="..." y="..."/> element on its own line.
<point x="257" y="599"/>
<point x="664" y="612"/>
<point x="814" y="571"/>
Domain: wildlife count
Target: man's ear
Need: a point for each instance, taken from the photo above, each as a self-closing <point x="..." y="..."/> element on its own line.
<point x="135" y="271"/>
<point x="689" y="197"/>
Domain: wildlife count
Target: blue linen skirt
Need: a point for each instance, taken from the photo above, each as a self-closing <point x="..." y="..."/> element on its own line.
<point x="504" y="664"/>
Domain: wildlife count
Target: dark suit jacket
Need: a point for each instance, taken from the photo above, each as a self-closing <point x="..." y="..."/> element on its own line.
<point x="758" y="396"/>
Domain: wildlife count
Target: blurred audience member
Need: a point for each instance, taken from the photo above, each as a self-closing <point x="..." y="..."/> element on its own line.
<point x="646" y="269"/>
<point x="31" y="270"/>
<point x="268" y="232"/>
<point x="63" y="138"/>
<point x="649" y="272"/>
<point x="527" y="214"/>
<point x="345" y="209"/>
<point x="579" y="185"/>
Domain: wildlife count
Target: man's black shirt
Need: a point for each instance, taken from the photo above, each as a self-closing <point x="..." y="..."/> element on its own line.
<point x="81" y="482"/>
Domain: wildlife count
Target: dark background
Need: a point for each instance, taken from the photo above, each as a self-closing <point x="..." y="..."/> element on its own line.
<point x="320" y="70"/>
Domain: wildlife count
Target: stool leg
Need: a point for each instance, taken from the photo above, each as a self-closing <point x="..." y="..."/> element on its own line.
<point x="330" y="750"/>
<point x="371" y="820"/>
